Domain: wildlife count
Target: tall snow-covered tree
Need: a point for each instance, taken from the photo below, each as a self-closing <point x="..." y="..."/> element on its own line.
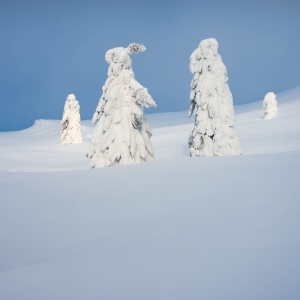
<point x="122" y="133"/>
<point x="270" y="106"/>
<point x="211" y="100"/>
<point x="70" y="123"/>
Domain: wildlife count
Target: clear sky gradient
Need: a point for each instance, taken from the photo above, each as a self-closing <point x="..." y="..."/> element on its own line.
<point x="50" y="49"/>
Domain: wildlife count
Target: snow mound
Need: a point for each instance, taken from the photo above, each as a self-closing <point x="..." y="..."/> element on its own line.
<point x="42" y="124"/>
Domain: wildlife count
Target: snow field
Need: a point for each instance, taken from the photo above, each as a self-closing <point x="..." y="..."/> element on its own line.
<point x="37" y="149"/>
<point x="177" y="228"/>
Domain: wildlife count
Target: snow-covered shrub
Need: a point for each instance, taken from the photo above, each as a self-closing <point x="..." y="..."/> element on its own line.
<point x="70" y="123"/>
<point x="212" y="102"/>
<point x="122" y="134"/>
<point x="270" y="106"/>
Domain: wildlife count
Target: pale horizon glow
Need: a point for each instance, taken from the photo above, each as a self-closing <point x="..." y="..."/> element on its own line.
<point x="50" y="49"/>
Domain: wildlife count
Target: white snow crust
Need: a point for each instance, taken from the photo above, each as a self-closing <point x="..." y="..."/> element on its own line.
<point x="212" y="102"/>
<point x="70" y="123"/>
<point x="122" y="133"/>
<point x="270" y="106"/>
<point x="210" y="228"/>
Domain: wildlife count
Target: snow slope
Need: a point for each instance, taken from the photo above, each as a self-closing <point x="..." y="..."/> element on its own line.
<point x="38" y="148"/>
<point x="178" y="228"/>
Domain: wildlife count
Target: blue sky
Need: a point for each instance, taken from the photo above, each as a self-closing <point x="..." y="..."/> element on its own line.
<point x="50" y="49"/>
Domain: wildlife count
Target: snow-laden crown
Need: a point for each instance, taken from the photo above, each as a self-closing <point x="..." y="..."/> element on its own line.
<point x="270" y="106"/>
<point x="212" y="102"/>
<point x="122" y="134"/>
<point x="120" y="72"/>
<point x="70" y="123"/>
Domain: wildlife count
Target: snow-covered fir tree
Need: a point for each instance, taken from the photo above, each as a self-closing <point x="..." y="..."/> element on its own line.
<point x="270" y="106"/>
<point x="70" y="123"/>
<point x="211" y="100"/>
<point x="122" y="133"/>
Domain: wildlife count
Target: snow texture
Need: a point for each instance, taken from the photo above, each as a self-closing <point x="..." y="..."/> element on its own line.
<point x="212" y="102"/>
<point x="170" y="130"/>
<point x="70" y="123"/>
<point x="270" y="106"/>
<point x="65" y="237"/>
<point x="122" y="133"/>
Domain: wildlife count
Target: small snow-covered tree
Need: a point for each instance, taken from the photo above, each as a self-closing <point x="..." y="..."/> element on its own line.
<point x="70" y="123"/>
<point x="122" y="133"/>
<point x="270" y="106"/>
<point x="211" y="100"/>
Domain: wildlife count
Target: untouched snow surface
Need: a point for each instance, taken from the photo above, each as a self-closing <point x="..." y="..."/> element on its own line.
<point x="178" y="228"/>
